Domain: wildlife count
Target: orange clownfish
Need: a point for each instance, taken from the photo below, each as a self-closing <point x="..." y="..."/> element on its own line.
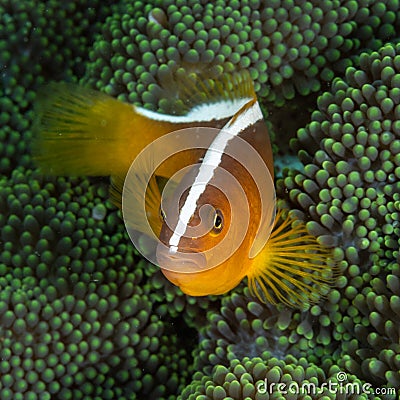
<point x="214" y="228"/>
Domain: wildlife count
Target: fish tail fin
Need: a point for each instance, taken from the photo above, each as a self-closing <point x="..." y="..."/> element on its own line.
<point x="293" y="268"/>
<point x="80" y="131"/>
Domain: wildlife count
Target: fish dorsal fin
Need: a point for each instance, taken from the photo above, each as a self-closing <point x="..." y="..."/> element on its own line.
<point x="202" y="96"/>
<point x="195" y="90"/>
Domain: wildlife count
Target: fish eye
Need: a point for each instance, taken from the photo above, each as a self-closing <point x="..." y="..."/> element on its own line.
<point x="218" y="221"/>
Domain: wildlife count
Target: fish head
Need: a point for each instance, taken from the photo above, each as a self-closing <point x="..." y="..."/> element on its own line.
<point x="200" y="249"/>
<point x="196" y="218"/>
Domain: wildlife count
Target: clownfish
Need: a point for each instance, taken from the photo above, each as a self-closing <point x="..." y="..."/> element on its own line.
<point x="79" y="131"/>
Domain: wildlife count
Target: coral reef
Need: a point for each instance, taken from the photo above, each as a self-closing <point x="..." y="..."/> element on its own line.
<point x="245" y="327"/>
<point x="75" y="320"/>
<point x="288" y="46"/>
<point x="39" y="41"/>
<point x="82" y="316"/>
<point x="267" y="377"/>
<point x="350" y="188"/>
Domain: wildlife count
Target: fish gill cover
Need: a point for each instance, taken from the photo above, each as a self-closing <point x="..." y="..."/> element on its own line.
<point x="82" y="316"/>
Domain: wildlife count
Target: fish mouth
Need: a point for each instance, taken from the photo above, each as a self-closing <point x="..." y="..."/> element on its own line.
<point x="179" y="261"/>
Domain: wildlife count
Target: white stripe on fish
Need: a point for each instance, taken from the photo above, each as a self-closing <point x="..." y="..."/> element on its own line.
<point x="212" y="158"/>
<point x="200" y="113"/>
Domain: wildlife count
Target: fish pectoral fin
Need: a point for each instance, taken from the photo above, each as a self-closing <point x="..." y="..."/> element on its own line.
<point x="116" y="188"/>
<point x="154" y="192"/>
<point x="153" y="201"/>
<point x="141" y="207"/>
<point x="292" y="268"/>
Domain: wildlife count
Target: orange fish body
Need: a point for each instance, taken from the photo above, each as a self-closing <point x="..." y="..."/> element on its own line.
<point x="83" y="132"/>
<point x="234" y="268"/>
<point x="212" y="230"/>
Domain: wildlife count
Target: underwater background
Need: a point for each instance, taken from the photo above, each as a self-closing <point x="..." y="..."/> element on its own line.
<point x="83" y="316"/>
